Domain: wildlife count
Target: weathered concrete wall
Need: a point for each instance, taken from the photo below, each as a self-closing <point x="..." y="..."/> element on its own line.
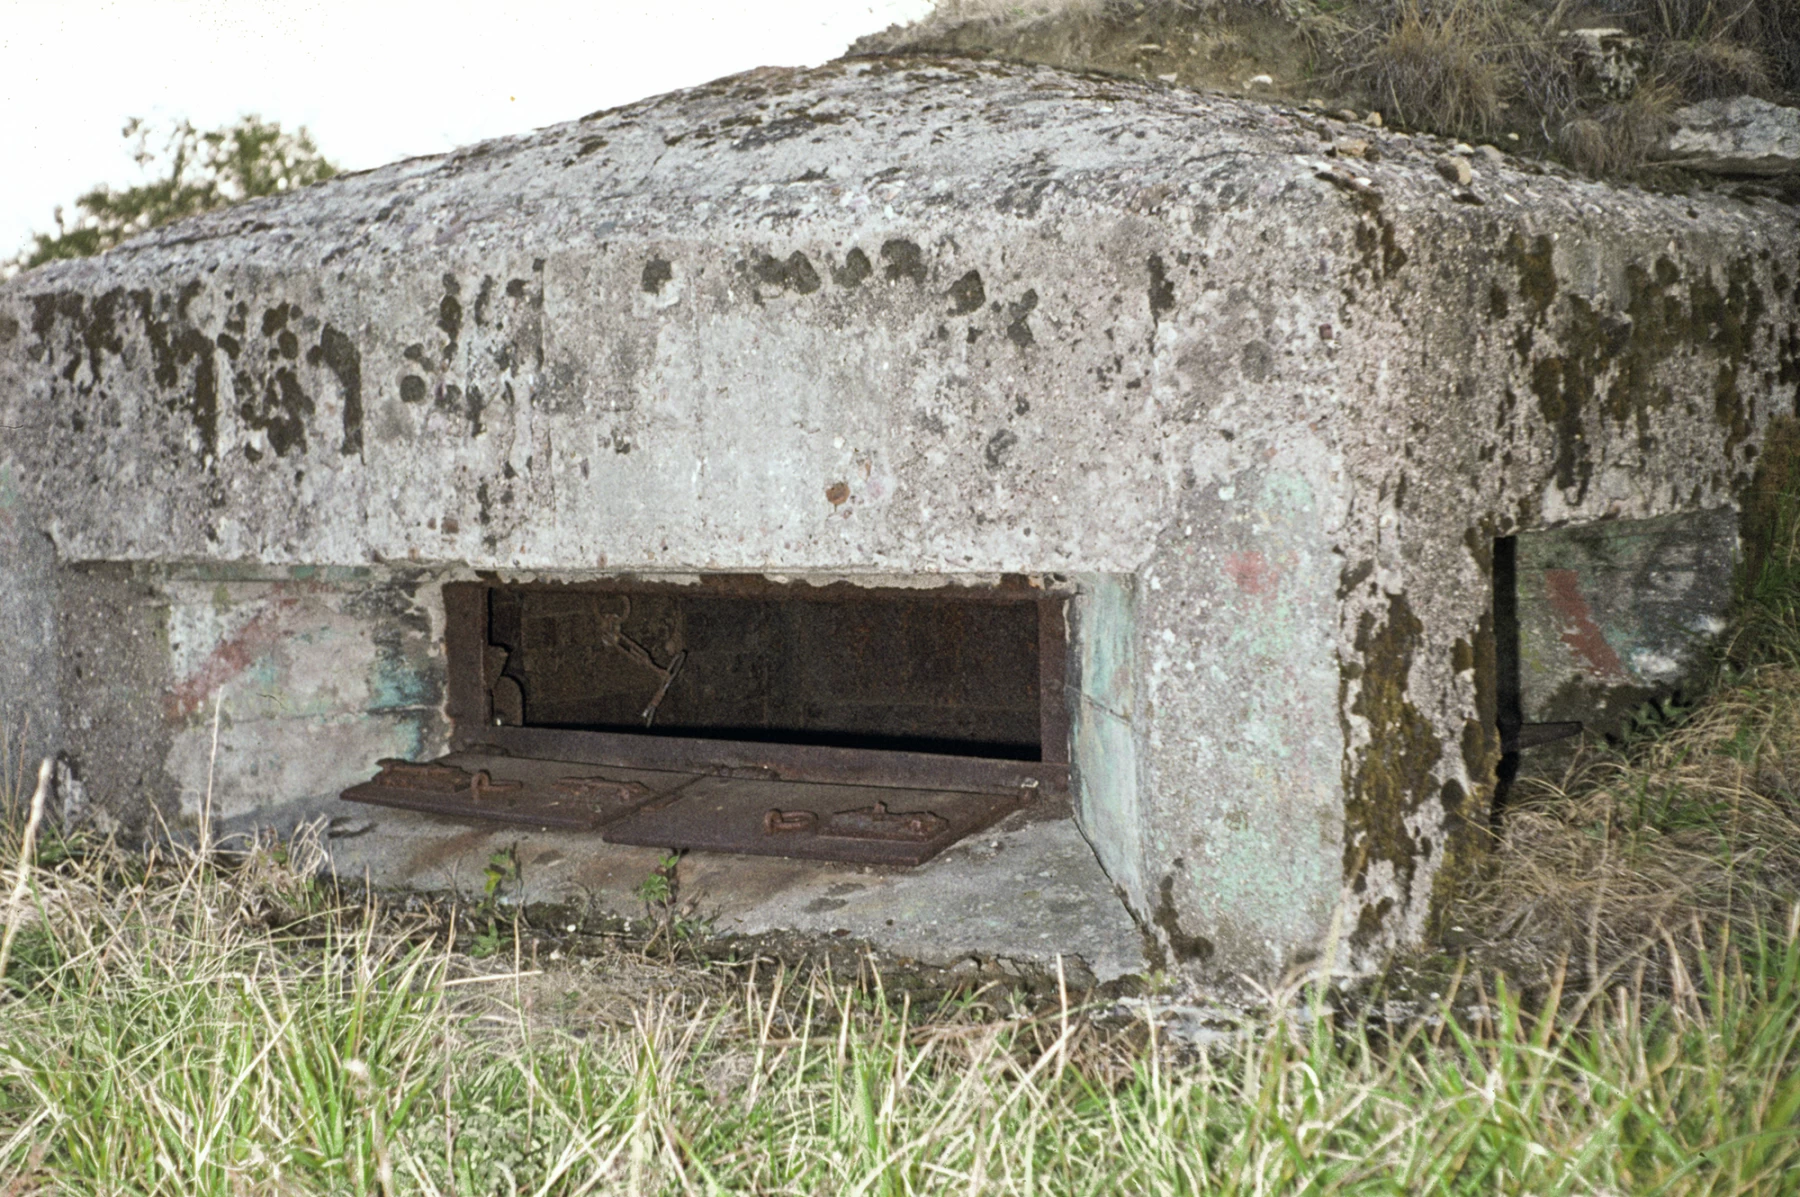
<point x="1103" y="720"/>
<point x="1239" y="680"/>
<point x="952" y="319"/>
<point x="113" y="673"/>
<point x="313" y="674"/>
<point x="28" y="669"/>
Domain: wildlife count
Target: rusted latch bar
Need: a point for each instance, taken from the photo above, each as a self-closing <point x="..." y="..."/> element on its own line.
<point x="1535" y="735"/>
<point x="662" y="691"/>
<point x="817" y="822"/>
<point x="870" y="823"/>
<point x="441" y="788"/>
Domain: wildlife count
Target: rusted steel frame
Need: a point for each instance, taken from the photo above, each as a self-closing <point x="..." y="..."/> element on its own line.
<point x="461" y="806"/>
<point x="465" y="642"/>
<point x="434" y="787"/>
<point x="777" y="762"/>
<point x="759" y="821"/>
<point x="1013" y="588"/>
<point x="470" y="709"/>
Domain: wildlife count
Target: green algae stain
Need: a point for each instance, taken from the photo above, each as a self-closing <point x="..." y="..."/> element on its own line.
<point x="396" y="684"/>
<point x="1466" y="811"/>
<point x="1183" y="945"/>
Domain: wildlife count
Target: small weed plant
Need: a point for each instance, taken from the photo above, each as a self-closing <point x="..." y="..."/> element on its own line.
<point x="671" y="926"/>
<point x="502" y="870"/>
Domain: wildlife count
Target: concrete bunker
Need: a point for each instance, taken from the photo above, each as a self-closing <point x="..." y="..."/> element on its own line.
<point x="914" y="341"/>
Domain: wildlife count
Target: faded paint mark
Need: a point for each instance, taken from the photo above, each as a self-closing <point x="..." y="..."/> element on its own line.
<point x="231" y="658"/>
<point x="1579" y="631"/>
<point x="1252" y="574"/>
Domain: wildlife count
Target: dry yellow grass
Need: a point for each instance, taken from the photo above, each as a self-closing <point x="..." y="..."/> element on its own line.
<point x="1637" y="847"/>
<point x="1436" y="70"/>
<point x="1617" y="138"/>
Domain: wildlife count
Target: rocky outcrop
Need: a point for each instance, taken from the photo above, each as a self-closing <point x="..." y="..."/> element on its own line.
<point x="1739" y="136"/>
<point x="1608" y="60"/>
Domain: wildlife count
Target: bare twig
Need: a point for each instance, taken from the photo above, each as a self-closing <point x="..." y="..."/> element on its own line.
<point x="668" y="680"/>
<point x="27" y="859"/>
<point x="212" y="761"/>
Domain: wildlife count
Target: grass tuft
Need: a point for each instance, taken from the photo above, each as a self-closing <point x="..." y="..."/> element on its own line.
<point x="1754" y="43"/>
<point x="1642" y="850"/>
<point x="1617" y="138"/>
<point x="1432" y="69"/>
<point x="1712" y="68"/>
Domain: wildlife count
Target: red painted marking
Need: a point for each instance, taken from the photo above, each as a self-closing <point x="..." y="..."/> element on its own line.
<point x="1252" y="573"/>
<point x="1579" y="631"/>
<point x="233" y="655"/>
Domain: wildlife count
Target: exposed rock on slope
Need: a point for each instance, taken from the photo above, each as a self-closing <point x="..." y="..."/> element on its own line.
<point x="1740" y="136"/>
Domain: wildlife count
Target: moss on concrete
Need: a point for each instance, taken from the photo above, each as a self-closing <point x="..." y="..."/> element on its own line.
<point x="1393" y="775"/>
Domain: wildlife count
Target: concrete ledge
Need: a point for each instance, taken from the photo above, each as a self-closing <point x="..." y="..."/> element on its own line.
<point x="1026" y="891"/>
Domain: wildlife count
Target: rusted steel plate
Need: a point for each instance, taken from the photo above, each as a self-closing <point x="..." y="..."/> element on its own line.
<point x="793" y="762"/>
<point x="856" y="824"/>
<point x="507" y="789"/>
<point x="1012" y="588"/>
<point x="1053" y="696"/>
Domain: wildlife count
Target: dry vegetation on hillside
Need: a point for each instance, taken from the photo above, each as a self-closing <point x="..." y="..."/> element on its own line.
<point x="1505" y="71"/>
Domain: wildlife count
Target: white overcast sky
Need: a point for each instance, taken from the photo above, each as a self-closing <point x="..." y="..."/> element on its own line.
<point x="374" y="81"/>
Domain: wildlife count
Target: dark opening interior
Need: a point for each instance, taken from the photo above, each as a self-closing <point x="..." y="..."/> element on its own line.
<point x="745" y="714"/>
<point x="842" y="667"/>
<point x="1509" y="704"/>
